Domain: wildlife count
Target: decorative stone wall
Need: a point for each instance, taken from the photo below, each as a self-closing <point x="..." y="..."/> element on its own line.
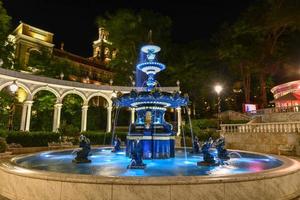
<point x="281" y="117"/>
<point x="281" y="183"/>
<point x="262" y="142"/>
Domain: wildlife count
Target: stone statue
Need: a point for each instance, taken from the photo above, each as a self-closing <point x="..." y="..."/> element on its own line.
<point x="117" y="144"/>
<point x="220" y="146"/>
<point x="196" y="147"/>
<point x="208" y="158"/>
<point x="83" y="153"/>
<point x="136" y="156"/>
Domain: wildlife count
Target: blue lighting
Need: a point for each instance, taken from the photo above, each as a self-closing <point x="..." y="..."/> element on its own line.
<point x="106" y="163"/>
<point x="157" y="136"/>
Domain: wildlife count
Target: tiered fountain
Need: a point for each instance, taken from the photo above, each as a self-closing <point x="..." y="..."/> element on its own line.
<point x="150" y="128"/>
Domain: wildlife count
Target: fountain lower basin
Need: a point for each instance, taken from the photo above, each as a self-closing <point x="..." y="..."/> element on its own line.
<point x="18" y="182"/>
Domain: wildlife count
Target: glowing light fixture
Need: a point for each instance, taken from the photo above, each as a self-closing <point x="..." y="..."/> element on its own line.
<point x="218" y="89"/>
<point x="13" y="87"/>
<point x="114" y="94"/>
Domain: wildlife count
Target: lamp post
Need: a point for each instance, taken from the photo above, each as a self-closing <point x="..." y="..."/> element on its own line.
<point x="218" y="89"/>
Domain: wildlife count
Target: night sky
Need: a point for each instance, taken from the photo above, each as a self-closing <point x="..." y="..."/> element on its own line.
<point x="74" y="21"/>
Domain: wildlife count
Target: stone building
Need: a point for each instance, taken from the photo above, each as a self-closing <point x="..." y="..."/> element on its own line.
<point x="29" y="39"/>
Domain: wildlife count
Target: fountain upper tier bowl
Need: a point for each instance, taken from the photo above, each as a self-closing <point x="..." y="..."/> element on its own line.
<point x="155" y="98"/>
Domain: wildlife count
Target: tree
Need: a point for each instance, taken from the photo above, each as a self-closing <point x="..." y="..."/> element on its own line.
<point x="257" y="42"/>
<point x="6" y="45"/>
<point x="239" y="51"/>
<point x="43" y="63"/>
<point x="129" y="32"/>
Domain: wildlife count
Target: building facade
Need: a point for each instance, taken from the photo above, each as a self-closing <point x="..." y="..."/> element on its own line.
<point x="29" y="40"/>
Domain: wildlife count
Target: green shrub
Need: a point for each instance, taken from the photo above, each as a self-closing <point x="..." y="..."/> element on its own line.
<point x="188" y="141"/>
<point x="3" y="133"/>
<point x="205" y="135"/>
<point x="198" y="125"/>
<point x="69" y="130"/>
<point x="102" y="138"/>
<point x="32" y="139"/>
<point x="235" y="121"/>
<point x="3" y="145"/>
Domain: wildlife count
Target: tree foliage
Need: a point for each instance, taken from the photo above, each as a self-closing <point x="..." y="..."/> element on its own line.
<point x="6" y="45"/>
<point x="129" y="31"/>
<point x="257" y="43"/>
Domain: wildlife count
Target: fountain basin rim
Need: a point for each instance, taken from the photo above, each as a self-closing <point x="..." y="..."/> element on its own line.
<point x="289" y="166"/>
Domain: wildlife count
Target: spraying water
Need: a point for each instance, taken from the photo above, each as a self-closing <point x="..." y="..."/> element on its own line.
<point x="234" y="155"/>
<point x="184" y="143"/>
<point x="115" y="124"/>
<point x="190" y="123"/>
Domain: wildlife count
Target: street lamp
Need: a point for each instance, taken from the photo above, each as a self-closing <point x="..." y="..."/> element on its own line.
<point x="218" y="89"/>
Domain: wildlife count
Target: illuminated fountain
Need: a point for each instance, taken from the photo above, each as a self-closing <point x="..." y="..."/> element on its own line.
<point x="155" y="134"/>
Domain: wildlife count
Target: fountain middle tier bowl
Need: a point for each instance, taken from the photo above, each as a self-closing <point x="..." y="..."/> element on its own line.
<point x="106" y="163"/>
<point x="152" y="98"/>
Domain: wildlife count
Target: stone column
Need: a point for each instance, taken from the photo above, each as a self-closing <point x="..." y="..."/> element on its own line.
<point x="132" y="115"/>
<point x="56" y="117"/>
<point x="28" y="115"/>
<point x="179" y="121"/>
<point x="23" y="118"/>
<point x="84" y="117"/>
<point x="108" y="125"/>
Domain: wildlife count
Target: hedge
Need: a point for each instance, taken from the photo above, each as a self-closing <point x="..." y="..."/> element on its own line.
<point x="102" y="138"/>
<point x="3" y="145"/>
<point x="32" y="139"/>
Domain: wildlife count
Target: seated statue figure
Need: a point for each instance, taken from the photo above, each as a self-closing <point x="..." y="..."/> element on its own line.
<point x="208" y="158"/>
<point x="117" y="144"/>
<point x="196" y="147"/>
<point x="83" y="153"/>
<point x="220" y="146"/>
<point x="136" y="156"/>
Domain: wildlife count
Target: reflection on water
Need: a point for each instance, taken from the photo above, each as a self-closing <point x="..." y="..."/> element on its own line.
<point x="105" y="163"/>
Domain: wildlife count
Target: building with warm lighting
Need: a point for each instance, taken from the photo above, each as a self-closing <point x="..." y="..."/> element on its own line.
<point x="29" y="39"/>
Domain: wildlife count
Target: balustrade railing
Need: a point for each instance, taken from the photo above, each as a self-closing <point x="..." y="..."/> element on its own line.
<point x="275" y="110"/>
<point x="276" y="127"/>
